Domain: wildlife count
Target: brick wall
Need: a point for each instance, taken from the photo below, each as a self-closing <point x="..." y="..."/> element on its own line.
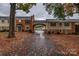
<point x="32" y="23"/>
<point x="22" y="23"/>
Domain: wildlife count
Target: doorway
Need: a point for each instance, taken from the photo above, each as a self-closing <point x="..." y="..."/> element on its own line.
<point x="77" y="29"/>
<point x="19" y="27"/>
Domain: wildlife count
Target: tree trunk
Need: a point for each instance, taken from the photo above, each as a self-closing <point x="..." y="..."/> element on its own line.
<point x="12" y="20"/>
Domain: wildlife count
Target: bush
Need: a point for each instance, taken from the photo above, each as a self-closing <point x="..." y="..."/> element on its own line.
<point x="4" y="30"/>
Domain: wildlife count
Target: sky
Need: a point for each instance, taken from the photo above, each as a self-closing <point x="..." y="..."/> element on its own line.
<point x="38" y="10"/>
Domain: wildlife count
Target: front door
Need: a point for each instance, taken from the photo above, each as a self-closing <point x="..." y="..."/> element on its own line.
<point x="77" y="29"/>
<point x="19" y="28"/>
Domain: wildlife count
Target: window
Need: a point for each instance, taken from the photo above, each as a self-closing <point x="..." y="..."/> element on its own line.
<point x="52" y="24"/>
<point x="2" y="21"/>
<point x="66" y="24"/>
<point x="60" y="24"/>
<point x="27" y="22"/>
<point x="27" y="28"/>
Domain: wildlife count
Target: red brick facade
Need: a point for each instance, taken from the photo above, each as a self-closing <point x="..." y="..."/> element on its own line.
<point x="23" y="24"/>
<point x="32" y="23"/>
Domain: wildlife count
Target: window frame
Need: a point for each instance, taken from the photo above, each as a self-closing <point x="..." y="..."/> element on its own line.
<point x="60" y="23"/>
<point x="53" y="24"/>
<point x="66" y="24"/>
<point x="2" y="21"/>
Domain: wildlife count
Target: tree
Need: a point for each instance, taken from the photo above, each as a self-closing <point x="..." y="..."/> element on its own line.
<point x="61" y="11"/>
<point x="13" y="6"/>
<point x="69" y="9"/>
<point x="77" y="7"/>
<point x="24" y="6"/>
<point x="12" y="20"/>
<point x="56" y="8"/>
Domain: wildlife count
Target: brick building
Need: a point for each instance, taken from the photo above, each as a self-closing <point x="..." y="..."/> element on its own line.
<point x="68" y="26"/>
<point x="22" y="23"/>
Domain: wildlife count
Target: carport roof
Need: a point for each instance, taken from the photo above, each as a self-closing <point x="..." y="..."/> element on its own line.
<point x="67" y="20"/>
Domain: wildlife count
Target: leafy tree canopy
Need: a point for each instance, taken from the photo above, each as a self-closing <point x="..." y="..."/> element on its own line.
<point x="61" y="10"/>
<point x="24" y="6"/>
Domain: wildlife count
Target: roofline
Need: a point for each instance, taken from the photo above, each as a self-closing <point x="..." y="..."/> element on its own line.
<point x="17" y="16"/>
<point x="67" y="20"/>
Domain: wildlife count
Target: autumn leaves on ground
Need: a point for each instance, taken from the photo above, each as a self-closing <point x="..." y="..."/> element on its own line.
<point x="64" y="44"/>
<point x="9" y="45"/>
